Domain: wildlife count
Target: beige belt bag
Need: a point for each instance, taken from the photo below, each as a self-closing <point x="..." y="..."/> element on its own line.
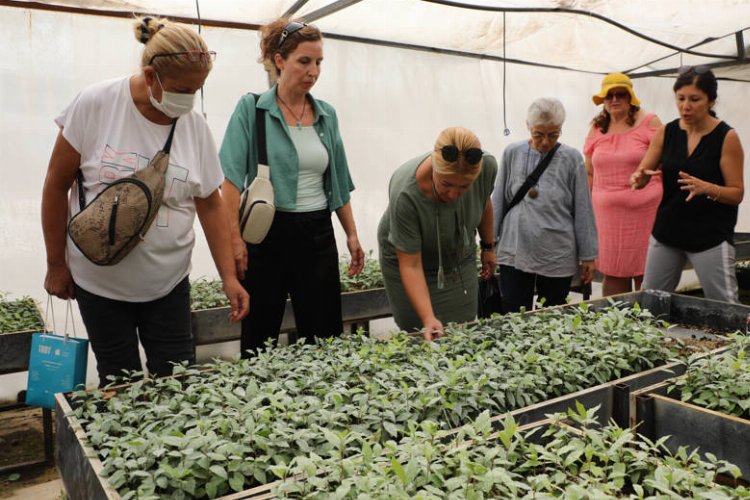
<point x="257" y="208"/>
<point x="111" y="226"/>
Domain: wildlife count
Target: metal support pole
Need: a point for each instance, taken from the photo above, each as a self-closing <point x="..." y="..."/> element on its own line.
<point x="740" y="39"/>
<point x="49" y="443"/>
<point x="644" y="416"/>
<point x="621" y="404"/>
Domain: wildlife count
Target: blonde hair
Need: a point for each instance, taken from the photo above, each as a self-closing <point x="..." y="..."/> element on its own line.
<point x="463" y="139"/>
<point x="162" y="36"/>
<point x="270" y="34"/>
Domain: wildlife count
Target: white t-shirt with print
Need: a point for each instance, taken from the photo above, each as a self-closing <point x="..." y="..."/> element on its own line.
<point x="115" y="140"/>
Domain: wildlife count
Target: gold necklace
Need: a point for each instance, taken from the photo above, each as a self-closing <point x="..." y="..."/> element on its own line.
<point x="298" y="118"/>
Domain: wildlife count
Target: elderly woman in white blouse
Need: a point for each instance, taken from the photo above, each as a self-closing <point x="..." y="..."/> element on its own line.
<point x="550" y="230"/>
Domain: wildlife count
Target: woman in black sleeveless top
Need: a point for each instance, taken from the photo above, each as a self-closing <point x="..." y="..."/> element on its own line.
<point x="701" y="161"/>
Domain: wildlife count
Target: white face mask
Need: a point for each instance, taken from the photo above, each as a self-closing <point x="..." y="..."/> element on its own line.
<point x="172" y="104"/>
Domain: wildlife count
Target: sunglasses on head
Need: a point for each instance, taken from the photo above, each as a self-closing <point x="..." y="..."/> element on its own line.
<point x="619" y="94"/>
<point x="698" y="70"/>
<point x="451" y="153"/>
<point x="288" y="30"/>
<point x="202" y="56"/>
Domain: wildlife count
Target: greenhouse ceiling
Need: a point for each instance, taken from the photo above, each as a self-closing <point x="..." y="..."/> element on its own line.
<point x="641" y="37"/>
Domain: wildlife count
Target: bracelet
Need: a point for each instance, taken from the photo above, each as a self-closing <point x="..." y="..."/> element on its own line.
<point x="486" y="246"/>
<point x="718" y="193"/>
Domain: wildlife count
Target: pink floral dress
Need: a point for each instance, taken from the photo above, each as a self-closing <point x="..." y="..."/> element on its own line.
<point x="624" y="218"/>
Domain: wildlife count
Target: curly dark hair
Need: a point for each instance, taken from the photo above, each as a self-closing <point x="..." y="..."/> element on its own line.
<point x="602" y="120"/>
<point x="271" y="34"/>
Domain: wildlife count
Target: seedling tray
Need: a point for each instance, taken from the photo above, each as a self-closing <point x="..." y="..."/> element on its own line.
<point x="658" y="414"/>
<point x="15" y="348"/>
<point x="210" y="326"/>
<point x="80" y="466"/>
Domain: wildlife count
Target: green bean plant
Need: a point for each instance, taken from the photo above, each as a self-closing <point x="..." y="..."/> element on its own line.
<point x="19" y="315"/>
<point x="208" y="293"/>
<point x="370" y="277"/>
<point x="235" y="425"/>
<point x="721" y="382"/>
<point x="554" y="461"/>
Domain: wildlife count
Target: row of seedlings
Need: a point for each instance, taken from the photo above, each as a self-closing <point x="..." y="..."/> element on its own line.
<point x="236" y="425"/>
<point x="568" y="456"/>
<point x="363" y="299"/>
<point x="19" y="318"/>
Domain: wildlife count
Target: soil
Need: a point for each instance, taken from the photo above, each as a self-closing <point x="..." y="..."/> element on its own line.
<point x="702" y="345"/>
<point x="22" y="441"/>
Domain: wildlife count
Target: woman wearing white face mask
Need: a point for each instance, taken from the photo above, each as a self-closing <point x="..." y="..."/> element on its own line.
<point x="111" y="130"/>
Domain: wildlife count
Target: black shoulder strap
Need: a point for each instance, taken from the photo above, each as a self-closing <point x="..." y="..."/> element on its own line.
<point x="260" y="132"/>
<point x="81" y="194"/>
<point x="532" y="179"/>
<point x="168" y="144"/>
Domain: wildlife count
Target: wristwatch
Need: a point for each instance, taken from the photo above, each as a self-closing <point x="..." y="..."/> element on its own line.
<point x="486" y="246"/>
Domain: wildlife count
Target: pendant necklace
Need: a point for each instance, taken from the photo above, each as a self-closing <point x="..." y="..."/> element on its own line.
<point x="441" y="270"/>
<point x="301" y="115"/>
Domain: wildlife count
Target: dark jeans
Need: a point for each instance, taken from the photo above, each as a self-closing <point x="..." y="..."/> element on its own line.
<point x="114" y="327"/>
<point x="298" y="258"/>
<point x="517" y="289"/>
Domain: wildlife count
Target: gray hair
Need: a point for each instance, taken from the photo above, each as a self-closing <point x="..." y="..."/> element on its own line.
<point x="545" y="111"/>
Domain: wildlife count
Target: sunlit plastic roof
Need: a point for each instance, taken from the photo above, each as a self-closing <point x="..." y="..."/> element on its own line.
<point x="586" y="35"/>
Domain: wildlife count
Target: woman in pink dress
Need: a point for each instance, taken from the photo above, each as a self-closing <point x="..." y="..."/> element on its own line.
<point x="616" y="143"/>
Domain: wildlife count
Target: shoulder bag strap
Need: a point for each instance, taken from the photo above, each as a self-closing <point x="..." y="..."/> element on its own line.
<point x="532" y="179"/>
<point x="260" y="136"/>
<point x="81" y="194"/>
<point x="168" y="144"/>
<point x="79" y="174"/>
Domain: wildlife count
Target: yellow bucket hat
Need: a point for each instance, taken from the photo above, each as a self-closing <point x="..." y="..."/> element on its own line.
<point x="615" y="80"/>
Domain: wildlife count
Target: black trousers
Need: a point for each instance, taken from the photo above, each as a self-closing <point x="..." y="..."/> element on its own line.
<point x="298" y="258"/>
<point x="517" y="289"/>
<point x="162" y="325"/>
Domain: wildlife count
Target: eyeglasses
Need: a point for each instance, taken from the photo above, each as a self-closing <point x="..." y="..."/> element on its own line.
<point x="451" y="153"/>
<point x="552" y="136"/>
<point x="288" y="30"/>
<point x="698" y="70"/>
<point x="201" y="56"/>
<point x="620" y="95"/>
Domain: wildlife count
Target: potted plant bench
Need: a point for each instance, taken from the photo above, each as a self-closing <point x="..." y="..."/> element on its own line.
<point x="300" y="398"/>
<point x="362" y="299"/>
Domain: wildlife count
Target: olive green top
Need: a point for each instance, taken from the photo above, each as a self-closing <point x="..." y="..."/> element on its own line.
<point x="410" y="223"/>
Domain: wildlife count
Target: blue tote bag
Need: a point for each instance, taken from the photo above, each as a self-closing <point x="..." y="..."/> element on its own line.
<point x="57" y="363"/>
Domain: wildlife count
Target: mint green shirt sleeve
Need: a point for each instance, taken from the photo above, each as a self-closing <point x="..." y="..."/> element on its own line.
<point x="237" y="154"/>
<point x="340" y="177"/>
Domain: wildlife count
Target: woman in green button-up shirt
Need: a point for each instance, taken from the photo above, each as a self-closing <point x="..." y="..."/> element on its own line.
<point x="310" y="178"/>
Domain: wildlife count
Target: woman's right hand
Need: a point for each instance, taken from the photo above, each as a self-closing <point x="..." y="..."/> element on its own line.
<point x="640" y="178"/>
<point x="432" y="329"/>
<point x="239" y="300"/>
<point x="59" y="282"/>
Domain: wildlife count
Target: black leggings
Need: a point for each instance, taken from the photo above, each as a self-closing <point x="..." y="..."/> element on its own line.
<point x="115" y="326"/>
<point x="517" y="289"/>
<point x="298" y="258"/>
